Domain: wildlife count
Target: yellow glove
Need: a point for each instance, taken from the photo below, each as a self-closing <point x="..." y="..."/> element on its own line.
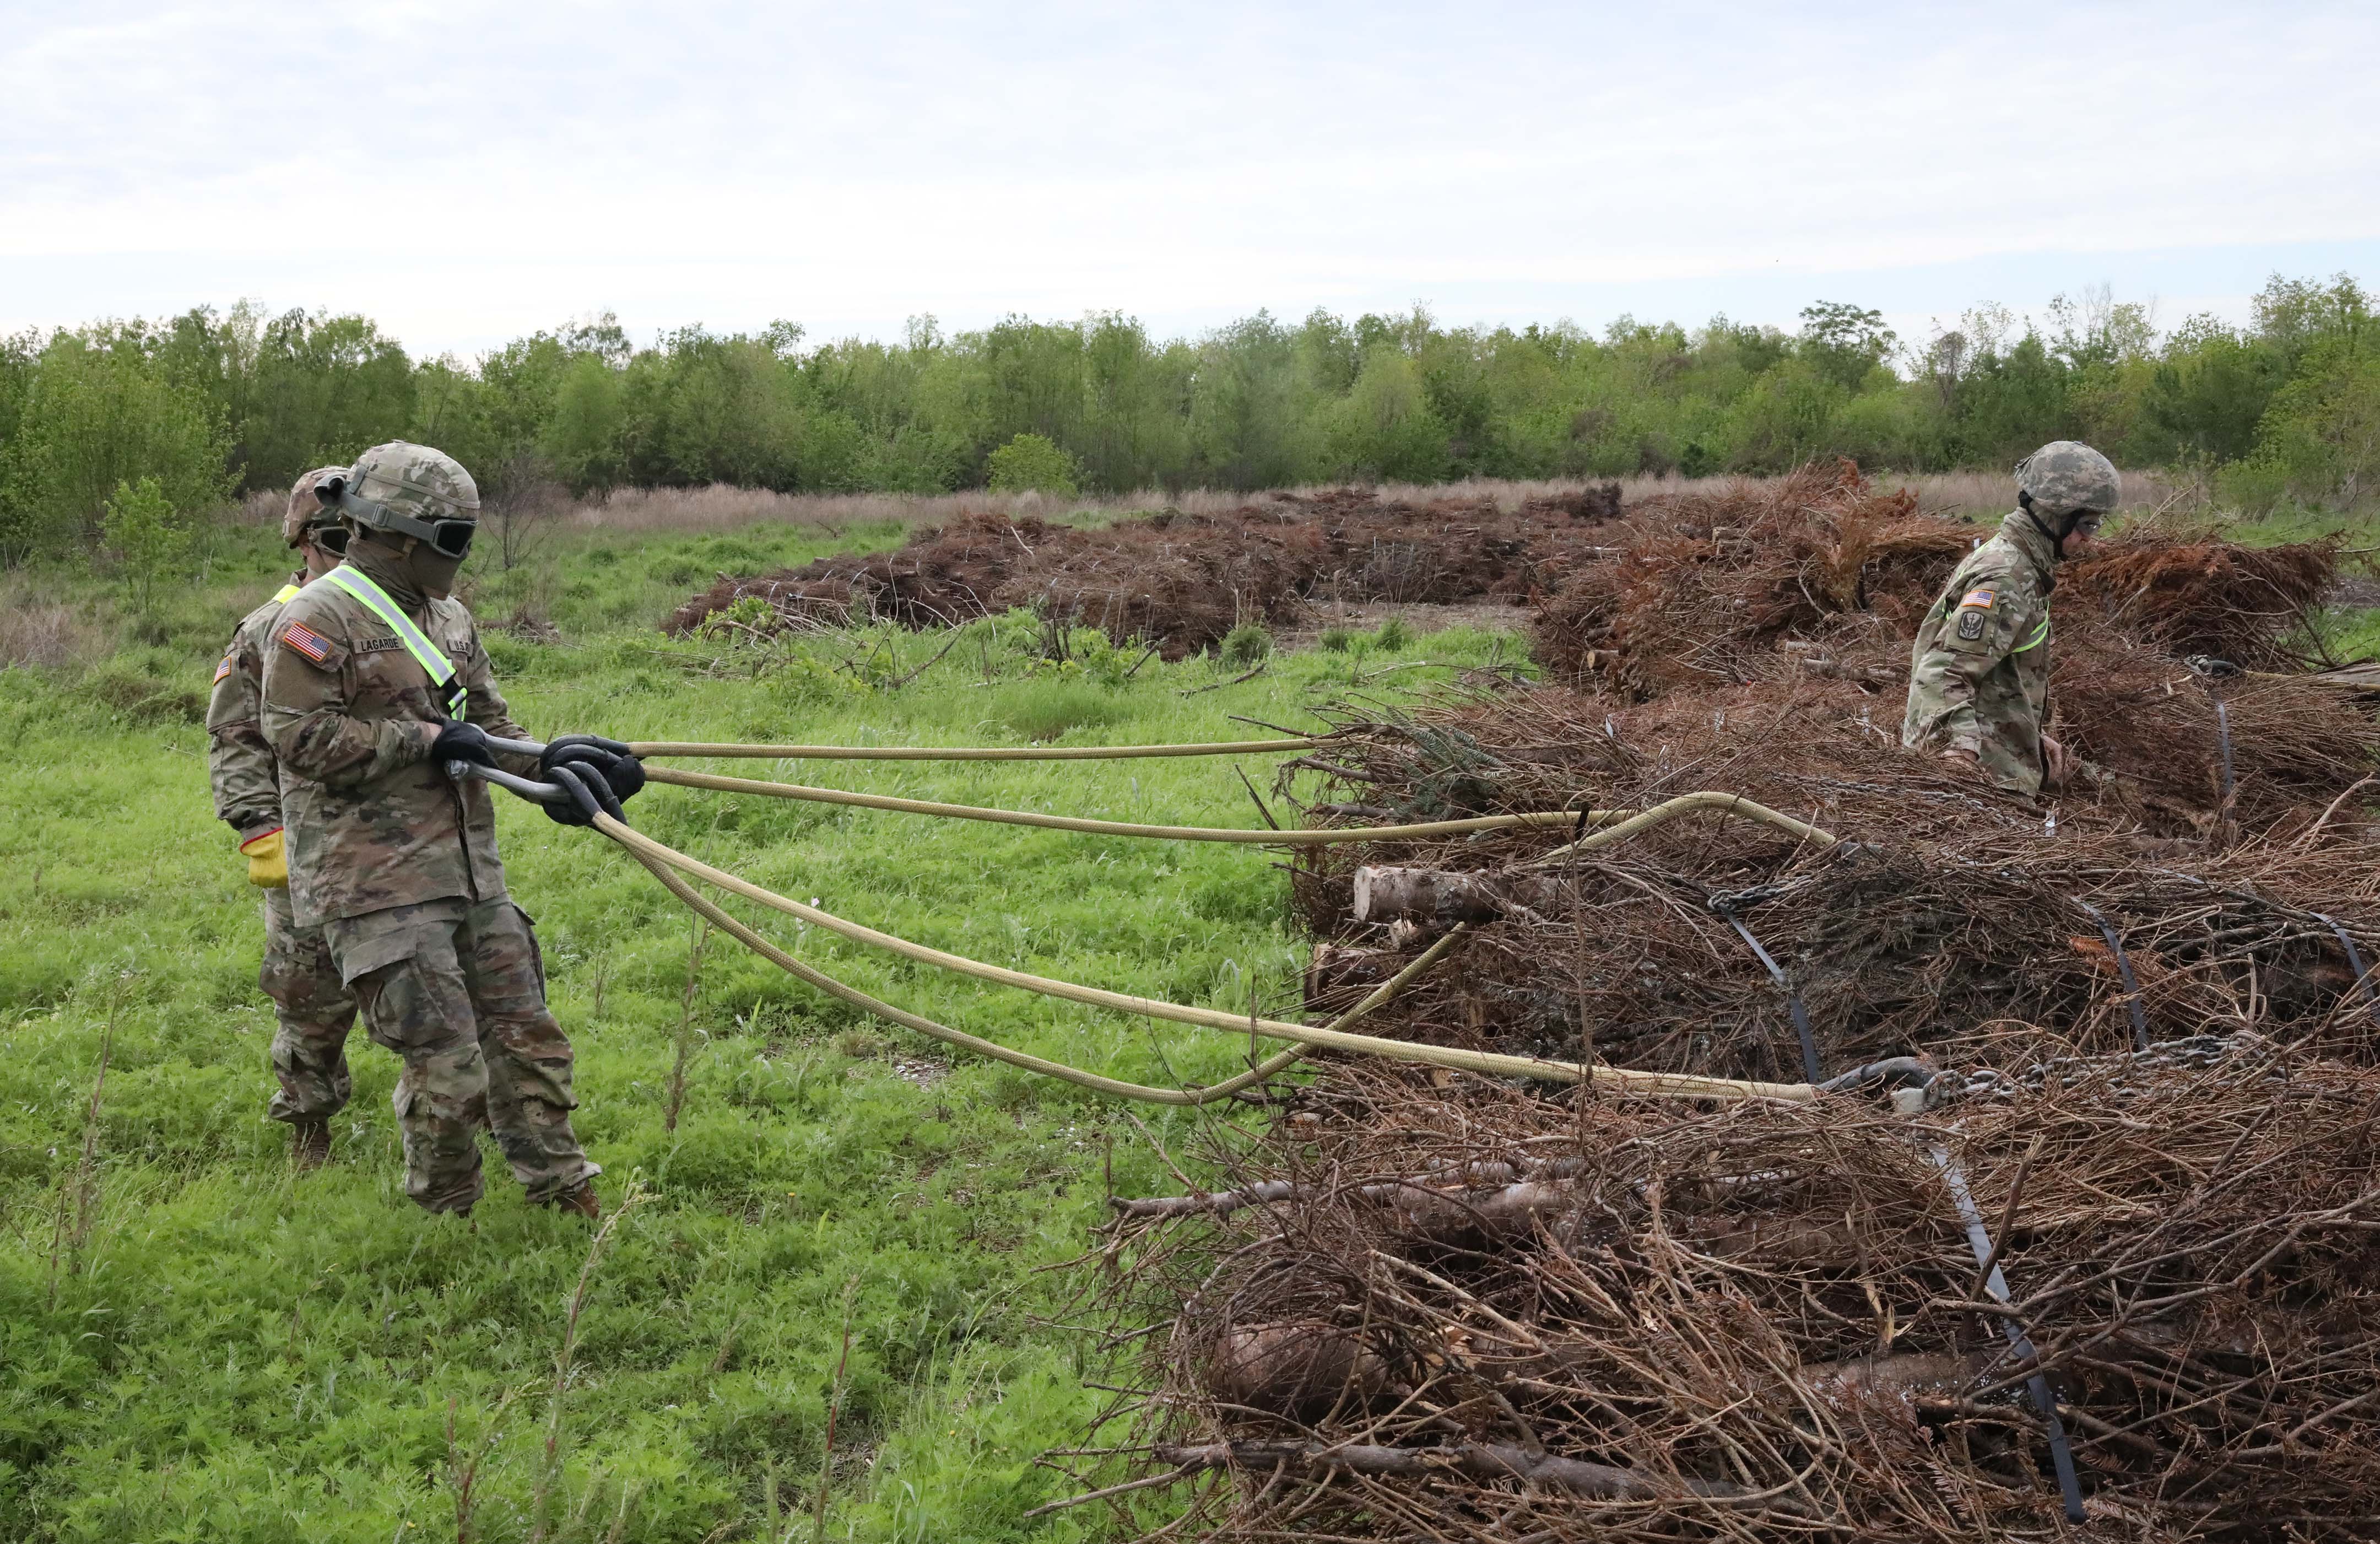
<point x="268" y="865"/>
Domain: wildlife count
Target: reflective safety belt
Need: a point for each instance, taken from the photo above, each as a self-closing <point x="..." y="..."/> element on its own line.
<point x="417" y="643"/>
<point x="2039" y="633"/>
<point x="281" y="596"/>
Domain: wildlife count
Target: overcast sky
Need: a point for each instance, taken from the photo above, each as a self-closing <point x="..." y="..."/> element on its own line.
<point x="464" y="172"/>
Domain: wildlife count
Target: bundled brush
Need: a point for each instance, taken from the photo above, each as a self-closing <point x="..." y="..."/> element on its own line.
<point x="1183" y="581"/>
<point x="1943" y="915"/>
<point x="1487" y="1315"/>
<point x="1705" y="583"/>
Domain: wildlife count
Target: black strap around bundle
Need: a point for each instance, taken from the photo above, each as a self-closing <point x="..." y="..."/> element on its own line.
<point x="2061" y="1456"/>
<point x="1811" y="1071"/>
<point x="2354" y="963"/>
<point x="2124" y="970"/>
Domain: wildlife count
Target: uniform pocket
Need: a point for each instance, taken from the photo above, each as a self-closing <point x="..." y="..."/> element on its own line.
<point x="408" y="1007"/>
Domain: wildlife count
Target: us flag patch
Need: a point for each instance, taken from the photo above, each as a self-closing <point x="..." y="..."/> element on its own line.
<point x="306" y="641"/>
<point x="1978" y="598"/>
<point x="224" y="669"/>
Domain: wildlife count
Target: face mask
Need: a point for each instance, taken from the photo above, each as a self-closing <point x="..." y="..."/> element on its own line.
<point x="433" y="571"/>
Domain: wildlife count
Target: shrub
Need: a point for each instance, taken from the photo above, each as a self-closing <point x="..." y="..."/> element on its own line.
<point x="1395" y="634"/>
<point x="1033" y="463"/>
<point x="1338" y="640"/>
<point x="1246" y="644"/>
<point x="151" y="539"/>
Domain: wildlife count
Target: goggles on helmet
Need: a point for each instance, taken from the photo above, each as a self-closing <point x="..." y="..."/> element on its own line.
<point x="329" y="535"/>
<point x="450" y="537"/>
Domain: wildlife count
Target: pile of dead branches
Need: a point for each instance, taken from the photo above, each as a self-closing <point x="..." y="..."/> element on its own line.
<point x="1484" y="1313"/>
<point x="1699" y="590"/>
<point x="2132" y="1026"/>
<point x="1943" y="915"/>
<point x="1183" y="581"/>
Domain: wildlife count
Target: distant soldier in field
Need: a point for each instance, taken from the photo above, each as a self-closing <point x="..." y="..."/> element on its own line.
<point x="1979" y="674"/>
<point x="314" y="1006"/>
<point x="375" y="682"/>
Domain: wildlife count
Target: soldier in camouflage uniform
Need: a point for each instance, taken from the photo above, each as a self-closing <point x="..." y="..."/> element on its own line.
<point x="1979" y="674"/>
<point x="314" y="1005"/>
<point x="375" y="681"/>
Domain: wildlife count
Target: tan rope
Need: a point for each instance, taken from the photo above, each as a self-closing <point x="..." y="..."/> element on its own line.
<point x="969" y="753"/>
<point x="1670" y="810"/>
<point x="1734" y="804"/>
<point x="1270" y="1067"/>
<point x="1120" y="828"/>
<point x="1491" y="1063"/>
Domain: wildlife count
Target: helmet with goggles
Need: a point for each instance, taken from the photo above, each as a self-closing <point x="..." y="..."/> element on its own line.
<point x="2068" y="480"/>
<point x="408" y="489"/>
<point x="307" y="516"/>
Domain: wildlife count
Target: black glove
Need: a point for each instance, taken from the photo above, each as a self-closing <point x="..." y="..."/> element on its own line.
<point x="459" y="741"/>
<point x="590" y="795"/>
<point x="625" y="774"/>
<point x="561" y="743"/>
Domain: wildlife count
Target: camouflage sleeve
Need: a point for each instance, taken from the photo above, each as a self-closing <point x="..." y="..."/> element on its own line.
<point x="307" y="721"/>
<point x="1988" y="620"/>
<point x="486" y="706"/>
<point x="240" y="768"/>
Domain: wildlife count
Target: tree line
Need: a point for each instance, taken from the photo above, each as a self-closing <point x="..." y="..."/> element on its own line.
<point x="180" y="414"/>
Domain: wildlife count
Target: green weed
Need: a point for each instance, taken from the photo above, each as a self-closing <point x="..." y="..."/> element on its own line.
<point x="238" y="1352"/>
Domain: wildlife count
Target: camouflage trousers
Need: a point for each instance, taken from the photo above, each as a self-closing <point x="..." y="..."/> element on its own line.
<point x="458" y="990"/>
<point x="315" y="1009"/>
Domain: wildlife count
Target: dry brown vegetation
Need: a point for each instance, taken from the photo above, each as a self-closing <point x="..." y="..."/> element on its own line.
<point x="2119" y="1041"/>
<point x="1183" y="581"/>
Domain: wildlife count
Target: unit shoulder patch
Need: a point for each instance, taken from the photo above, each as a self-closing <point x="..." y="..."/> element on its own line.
<point x="306" y="641"/>
<point x="1970" y="624"/>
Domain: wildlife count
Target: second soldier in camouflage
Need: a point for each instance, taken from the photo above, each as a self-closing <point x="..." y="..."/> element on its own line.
<point x="1979" y="671"/>
<point x="314" y="1007"/>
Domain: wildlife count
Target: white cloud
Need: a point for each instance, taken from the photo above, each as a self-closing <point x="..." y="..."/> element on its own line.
<point x="466" y="172"/>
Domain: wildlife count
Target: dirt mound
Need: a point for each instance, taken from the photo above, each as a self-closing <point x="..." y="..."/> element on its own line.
<point x="1181" y="581"/>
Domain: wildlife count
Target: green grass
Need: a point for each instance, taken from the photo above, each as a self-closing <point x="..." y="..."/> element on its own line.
<point x="200" y="1345"/>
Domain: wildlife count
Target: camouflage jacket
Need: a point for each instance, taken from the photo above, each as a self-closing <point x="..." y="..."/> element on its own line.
<point x="371" y="822"/>
<point x="240" y="767"/>
<point x="1979" y="674"/>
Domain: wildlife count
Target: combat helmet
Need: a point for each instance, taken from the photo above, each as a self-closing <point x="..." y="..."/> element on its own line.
<point x="409" y="490"/>
<point x="306" y="505"/>
<point x="2066" y="476"/>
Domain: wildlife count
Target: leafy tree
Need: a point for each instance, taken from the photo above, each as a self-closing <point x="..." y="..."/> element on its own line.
<point x="1844" y="342"/>
<point x="151" y="540"/>
<point x="99" y="413"/>
<point x="1385" y="429"/>
<point x="2319" y="443"/>
<point x="1032" y="462"/>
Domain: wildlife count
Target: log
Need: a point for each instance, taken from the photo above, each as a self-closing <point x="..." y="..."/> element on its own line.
<point x="1337" y="969"/>
<point x="1299" y="1370"/>
<point x="1476" y="1460"/>
<point x="1445" y="896"/>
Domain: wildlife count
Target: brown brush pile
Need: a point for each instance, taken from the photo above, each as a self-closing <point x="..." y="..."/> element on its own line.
<point x="2133" y="1019"/>
<point x="1947" y="910"/>
<point x="1488" y="1315"/>
<point x="1705" y="586"/>
<point x="1181" y="581"/>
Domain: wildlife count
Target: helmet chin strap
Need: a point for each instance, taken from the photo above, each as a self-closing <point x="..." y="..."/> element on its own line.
<point x="2065" y="525"/>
